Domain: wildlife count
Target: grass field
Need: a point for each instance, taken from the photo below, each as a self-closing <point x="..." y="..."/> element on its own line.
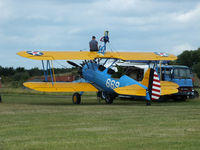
<point x="48" y="122"/>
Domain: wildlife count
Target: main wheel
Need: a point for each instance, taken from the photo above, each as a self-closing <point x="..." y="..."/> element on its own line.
<point x="76" y="98"/>
<point x="109" y="99"/>
<point x="106" y="96"/>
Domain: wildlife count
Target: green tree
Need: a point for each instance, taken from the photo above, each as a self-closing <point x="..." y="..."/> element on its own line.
<point x="196" y="69"/>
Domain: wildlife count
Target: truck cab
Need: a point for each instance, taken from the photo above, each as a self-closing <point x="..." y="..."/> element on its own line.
<point x="181" y="75"/>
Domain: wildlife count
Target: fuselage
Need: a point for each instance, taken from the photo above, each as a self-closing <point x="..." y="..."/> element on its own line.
<point x="103" y="80"/>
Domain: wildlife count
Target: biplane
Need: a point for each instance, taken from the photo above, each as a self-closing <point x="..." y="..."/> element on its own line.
<point x="98" y="78"/>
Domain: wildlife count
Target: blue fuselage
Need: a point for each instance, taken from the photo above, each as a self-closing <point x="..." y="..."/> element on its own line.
<point x="103" y="81"/>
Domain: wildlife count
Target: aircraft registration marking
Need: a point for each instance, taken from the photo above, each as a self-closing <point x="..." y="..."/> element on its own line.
<point x="112" y="83"/>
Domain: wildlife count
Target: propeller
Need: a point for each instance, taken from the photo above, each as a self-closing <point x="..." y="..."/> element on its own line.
<point x="77" y="66"/>
<point x="73" y="64"/>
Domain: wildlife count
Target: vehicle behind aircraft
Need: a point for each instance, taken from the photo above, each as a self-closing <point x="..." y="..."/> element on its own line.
<point x="182" y="75"/>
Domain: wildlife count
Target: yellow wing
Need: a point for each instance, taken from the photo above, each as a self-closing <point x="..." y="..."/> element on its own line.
<point x="74" y="55"/>
<point x="131" y="90"/>
<point x="60" y="87"/>
<point x="168" y="88"/>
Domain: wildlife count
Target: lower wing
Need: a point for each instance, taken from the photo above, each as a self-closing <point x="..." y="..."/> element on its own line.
<point x="60" y="87"/>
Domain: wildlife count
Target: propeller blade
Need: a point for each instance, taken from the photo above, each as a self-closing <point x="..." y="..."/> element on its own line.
<point x="73" y="64"/>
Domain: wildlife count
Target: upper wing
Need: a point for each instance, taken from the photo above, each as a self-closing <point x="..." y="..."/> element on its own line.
<point x="74" y="55"/>
<point x="60" y="87"/>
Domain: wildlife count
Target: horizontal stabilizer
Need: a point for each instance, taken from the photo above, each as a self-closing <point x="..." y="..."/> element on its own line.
<point x="168" y="87"/>
<point x="131" y="90"/>
<point x="60" y="87"/>
<point x="76" y="55"/>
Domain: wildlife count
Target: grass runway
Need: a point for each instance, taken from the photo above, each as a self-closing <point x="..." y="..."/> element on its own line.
<point x="48" y="122"/>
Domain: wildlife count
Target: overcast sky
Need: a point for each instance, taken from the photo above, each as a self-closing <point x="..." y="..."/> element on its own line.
<point x="135" y="25"/>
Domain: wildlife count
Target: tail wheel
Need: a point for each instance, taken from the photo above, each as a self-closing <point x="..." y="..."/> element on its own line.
<point x="76" y="98"/>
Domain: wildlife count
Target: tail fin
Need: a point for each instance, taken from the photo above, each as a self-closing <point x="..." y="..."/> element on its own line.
<point x="152" y="81"/>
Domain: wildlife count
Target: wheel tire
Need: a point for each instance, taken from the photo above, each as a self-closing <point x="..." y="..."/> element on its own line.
<point x="109" y="99"/>
<point x="196" y="94"/>
<point x="180" y="98"/>
<point x="0" y="99"/>
<point x="162" y="99"/>
<point x="76" y="98"/>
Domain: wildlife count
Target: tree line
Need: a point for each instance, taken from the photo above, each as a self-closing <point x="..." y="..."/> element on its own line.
<point x="15" y="77"/>
<point x="190" y="58"/>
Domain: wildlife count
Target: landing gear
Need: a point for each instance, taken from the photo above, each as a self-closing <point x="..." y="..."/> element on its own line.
<point x="76" y="98"/>
<point x="108" y="97"/>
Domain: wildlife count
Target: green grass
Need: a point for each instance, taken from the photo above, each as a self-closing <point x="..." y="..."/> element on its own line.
<point x="48" y="122"/>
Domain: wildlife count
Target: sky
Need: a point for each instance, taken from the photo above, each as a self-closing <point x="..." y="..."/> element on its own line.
<point x="170" y="26"/>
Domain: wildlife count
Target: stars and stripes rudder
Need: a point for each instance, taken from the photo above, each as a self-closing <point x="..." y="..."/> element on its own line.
<point x="156" y="89"/>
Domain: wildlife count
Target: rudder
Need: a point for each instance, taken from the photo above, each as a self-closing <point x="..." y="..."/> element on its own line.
<point x="152" y="81"/>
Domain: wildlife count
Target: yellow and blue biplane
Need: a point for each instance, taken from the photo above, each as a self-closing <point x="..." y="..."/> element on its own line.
<point x="98" y="78"/>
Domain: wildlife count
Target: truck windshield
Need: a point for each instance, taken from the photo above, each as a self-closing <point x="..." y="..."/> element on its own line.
<point x="182" y="73"/>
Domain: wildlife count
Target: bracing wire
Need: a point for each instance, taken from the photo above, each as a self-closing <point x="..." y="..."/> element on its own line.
<point x="60" y="64"/>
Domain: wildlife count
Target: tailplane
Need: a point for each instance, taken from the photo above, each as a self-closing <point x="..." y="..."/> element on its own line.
<point x="154" y="87"/>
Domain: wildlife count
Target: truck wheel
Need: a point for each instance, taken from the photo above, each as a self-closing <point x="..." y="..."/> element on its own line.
<point x="180" y="98"/>
<point x="76" y="98"/>
<point x="162" y="99"/>
<point x="196" y="94"/>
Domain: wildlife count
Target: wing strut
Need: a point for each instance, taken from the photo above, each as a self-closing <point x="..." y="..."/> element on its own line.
<point x="49" y="70"/>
